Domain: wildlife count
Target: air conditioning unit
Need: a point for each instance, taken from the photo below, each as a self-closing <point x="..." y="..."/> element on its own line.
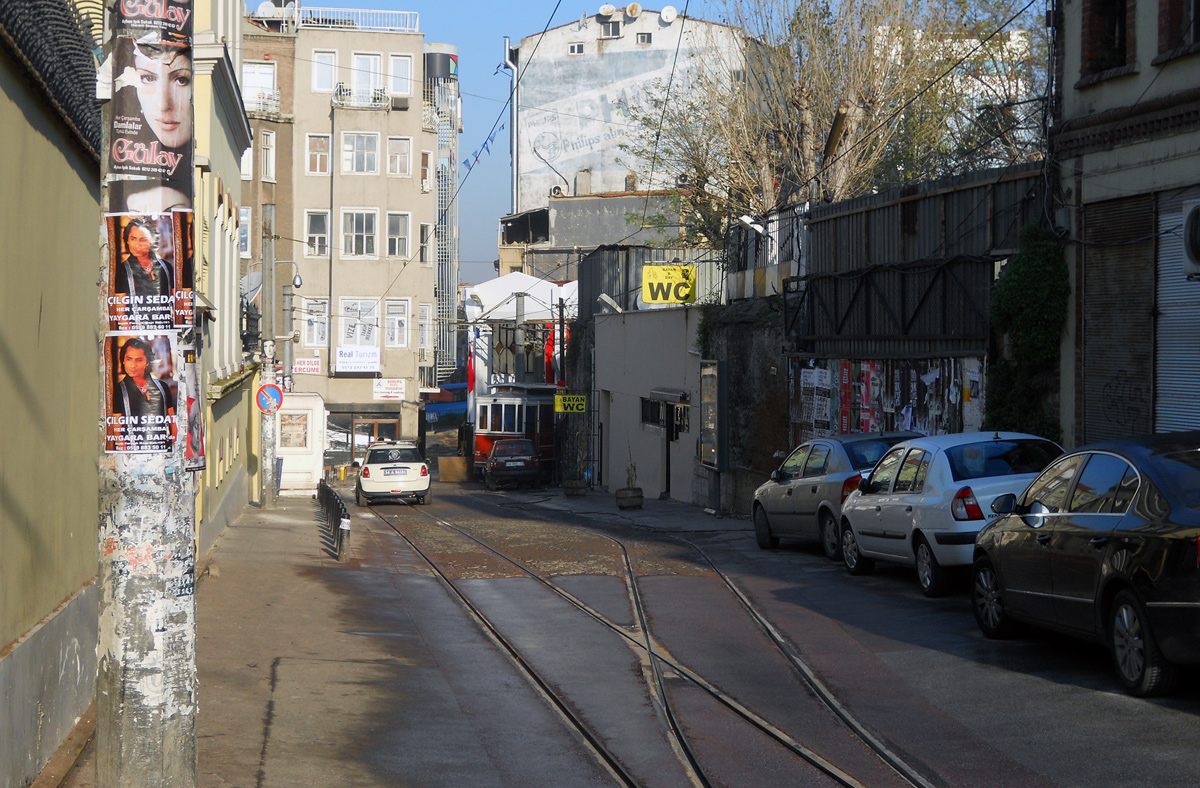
<point x="400" y="102"/>
<point x="1190" y="230"/>
<point x="426" y="186"/>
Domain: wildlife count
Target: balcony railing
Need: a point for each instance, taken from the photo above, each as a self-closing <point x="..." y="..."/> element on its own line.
<point x="352" y="97"/>
<point x="359" y="19"/>
<point x="261" y="100"/>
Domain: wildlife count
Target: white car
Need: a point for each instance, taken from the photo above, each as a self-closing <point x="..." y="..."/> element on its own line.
<point x="393" y="470"/>
<point x="927" y="498"/>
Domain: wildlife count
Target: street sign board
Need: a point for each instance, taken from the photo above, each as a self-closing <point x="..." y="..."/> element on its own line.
<point x="269" y="398"/>
<point x="669" y="284"/>
<point x="570" y="403"/>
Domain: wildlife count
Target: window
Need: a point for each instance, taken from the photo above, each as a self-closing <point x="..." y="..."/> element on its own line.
<point x="911" y="477"/>
<point x="643" y="38"/>
<point x="315" y="320"/>
<point x="360" y="318"/>
<point x="426" y="175"/>
<point x="316" y="233"/>
<point x="397" y="234"/>
<point x="395" y="322"/>
<point x="425" y="337"/>
<point x="610" y="29"/>
<point x="885" y="471"/>
<point x="318" y="154"/>
<point x="1000" y="458"/>
<point x="367" y="75"/>
<point x="426" y="243"/>
<point x="1178" y="25"/>
<point x="268" y="156"/>
<point x="575" y="49"/>
<point x="399" y="156"/>
<point x="360" y="153"/>
<point x="1099" y="484"/>
<point x="793" y="466"/>
<point x="358" y="233"/>
<point x="244" y="232"/>
<point x="400" y="75"/>
<point x="818" y="460"/>
<point x="324" y="74"/>
<point x="248" y="163"/>
<point x="1050" y="489"/>
<point x="1106" y="44"/>
<point x="258" y="87"/>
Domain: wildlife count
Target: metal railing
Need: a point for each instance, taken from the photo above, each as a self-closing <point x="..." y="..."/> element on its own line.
<point x="349" y="96"/>
<point x="360" y="19"/>
<point x="337" y="518"/>
<point x="261" y="100"/>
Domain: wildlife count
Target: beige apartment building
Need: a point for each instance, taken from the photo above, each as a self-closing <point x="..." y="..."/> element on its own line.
<point x="344" y="170"/>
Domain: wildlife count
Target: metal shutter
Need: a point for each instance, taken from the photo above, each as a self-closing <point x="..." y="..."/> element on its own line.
<point x="1118" y="320"/>
<point x="1177" y="378"/>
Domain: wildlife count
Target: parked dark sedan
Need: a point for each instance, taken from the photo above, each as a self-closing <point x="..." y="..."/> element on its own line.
<point x="805" y="494"/>
<point x="512" y="461"/>
<point x="1103" y="545"/>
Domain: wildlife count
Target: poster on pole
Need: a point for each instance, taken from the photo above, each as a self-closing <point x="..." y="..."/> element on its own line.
<point x="151" y="271"/>
<point x="151" y="131"/>
<point x="190" y="402"/>
<point x="142" y="390"/>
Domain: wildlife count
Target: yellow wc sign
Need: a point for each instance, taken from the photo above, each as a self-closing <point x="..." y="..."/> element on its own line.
<point x="669" y="284"/>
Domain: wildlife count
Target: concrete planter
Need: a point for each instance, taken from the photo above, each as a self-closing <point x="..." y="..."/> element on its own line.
<point x="629" y="498"/>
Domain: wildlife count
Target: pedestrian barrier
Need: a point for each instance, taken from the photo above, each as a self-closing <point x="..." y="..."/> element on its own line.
<point x="337" y="518"/>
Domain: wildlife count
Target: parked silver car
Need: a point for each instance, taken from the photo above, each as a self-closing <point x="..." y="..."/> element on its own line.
<point x="804" y="497"/>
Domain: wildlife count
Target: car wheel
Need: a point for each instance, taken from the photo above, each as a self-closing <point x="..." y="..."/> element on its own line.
<point x="427" y="497"/>
<point x="491" y="483"/>
<point x="358" y="497"/>
<point x="987" y="601"/>
<point x="762" y="530"/>
<point x="831" y="540"/>
<point x="930" y="573"/>
<point x="1140" y="665"/>
<point x="856" y="562"/>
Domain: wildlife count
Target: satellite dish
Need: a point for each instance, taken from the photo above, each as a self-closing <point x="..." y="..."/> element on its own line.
<point x="265" y="8"/>
<point x="668" y="14"/>
<point x="632" y="10"/>
<point x="608" y="9"/>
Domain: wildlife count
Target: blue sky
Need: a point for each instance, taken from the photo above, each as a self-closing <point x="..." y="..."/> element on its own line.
<point x="478" y="28"/>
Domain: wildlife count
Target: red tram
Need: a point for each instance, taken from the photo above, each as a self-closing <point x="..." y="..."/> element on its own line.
<point x="515" y="410"/>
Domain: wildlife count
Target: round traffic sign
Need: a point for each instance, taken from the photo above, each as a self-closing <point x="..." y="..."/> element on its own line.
<point x="269" y="398"/>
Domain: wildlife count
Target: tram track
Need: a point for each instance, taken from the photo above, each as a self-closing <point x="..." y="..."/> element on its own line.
<point x="655" y="658"/>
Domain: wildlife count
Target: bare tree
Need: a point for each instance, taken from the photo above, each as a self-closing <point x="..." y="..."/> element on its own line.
<point x="826" y="101"/>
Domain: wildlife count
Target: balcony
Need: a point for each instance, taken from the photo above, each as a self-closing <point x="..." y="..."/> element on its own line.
<point x="261" y="100"/>
<point x="347" y="96"/>
<point x="359" y="19"/>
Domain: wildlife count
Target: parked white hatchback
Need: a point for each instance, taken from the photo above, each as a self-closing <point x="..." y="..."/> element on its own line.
<point x="927" y="498"/>
<point x="393" y="469"/>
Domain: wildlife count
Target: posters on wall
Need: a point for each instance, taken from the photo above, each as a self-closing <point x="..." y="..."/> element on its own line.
<point x="142" y="389"/>
<point x="150" y="277"/>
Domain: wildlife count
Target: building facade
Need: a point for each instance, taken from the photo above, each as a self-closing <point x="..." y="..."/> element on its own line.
<point x="361" y="199"/>
<point x="571" y="83"/>
<point x="1127" y="114"/>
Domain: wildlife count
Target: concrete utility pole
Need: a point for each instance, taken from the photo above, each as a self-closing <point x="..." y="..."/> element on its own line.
<point x="146" y="683"/>
<point x="268" y="352"/>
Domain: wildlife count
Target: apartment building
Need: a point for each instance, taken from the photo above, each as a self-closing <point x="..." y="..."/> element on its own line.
<point x="342" y="190"/>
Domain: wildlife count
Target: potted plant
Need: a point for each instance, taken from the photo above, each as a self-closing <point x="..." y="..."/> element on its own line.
<point x="630" y="496"/>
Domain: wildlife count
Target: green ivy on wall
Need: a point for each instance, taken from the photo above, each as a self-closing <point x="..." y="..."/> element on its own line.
<point x="1029" y="305"/>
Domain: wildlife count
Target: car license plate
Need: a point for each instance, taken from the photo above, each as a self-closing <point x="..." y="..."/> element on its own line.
<point x="395" y="471"/>
<point x="514" y="463"/>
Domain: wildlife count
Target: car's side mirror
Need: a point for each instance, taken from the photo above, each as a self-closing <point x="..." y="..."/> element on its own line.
<point x="865" y="485"/>
<point x="775" y="475"/>
<point x="1005" y="504"/>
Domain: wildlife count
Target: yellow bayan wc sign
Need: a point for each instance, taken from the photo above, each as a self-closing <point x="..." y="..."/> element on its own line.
<point x="669" y="284"/>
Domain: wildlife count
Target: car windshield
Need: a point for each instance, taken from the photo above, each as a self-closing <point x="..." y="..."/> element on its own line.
<point x="1181" y="473"/>
<point x="1000" y="458"/>
<point x="394" y="454"/>
<point x="513" y="449"/>
<point x="864" y="454"/>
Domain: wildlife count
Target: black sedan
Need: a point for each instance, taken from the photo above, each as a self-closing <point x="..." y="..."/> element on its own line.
<point x="1103" y="545"/>
<point x="512" y="461"/>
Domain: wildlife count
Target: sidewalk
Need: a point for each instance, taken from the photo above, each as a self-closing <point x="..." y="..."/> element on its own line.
<point x="319" y="673"/>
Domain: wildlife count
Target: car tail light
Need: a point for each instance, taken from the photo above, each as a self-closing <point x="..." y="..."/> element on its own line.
<point x="965" y="507"/>
<point x="850" y="485"/>
<point x="366" y="472"/>
<point x="424" y="470"/>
